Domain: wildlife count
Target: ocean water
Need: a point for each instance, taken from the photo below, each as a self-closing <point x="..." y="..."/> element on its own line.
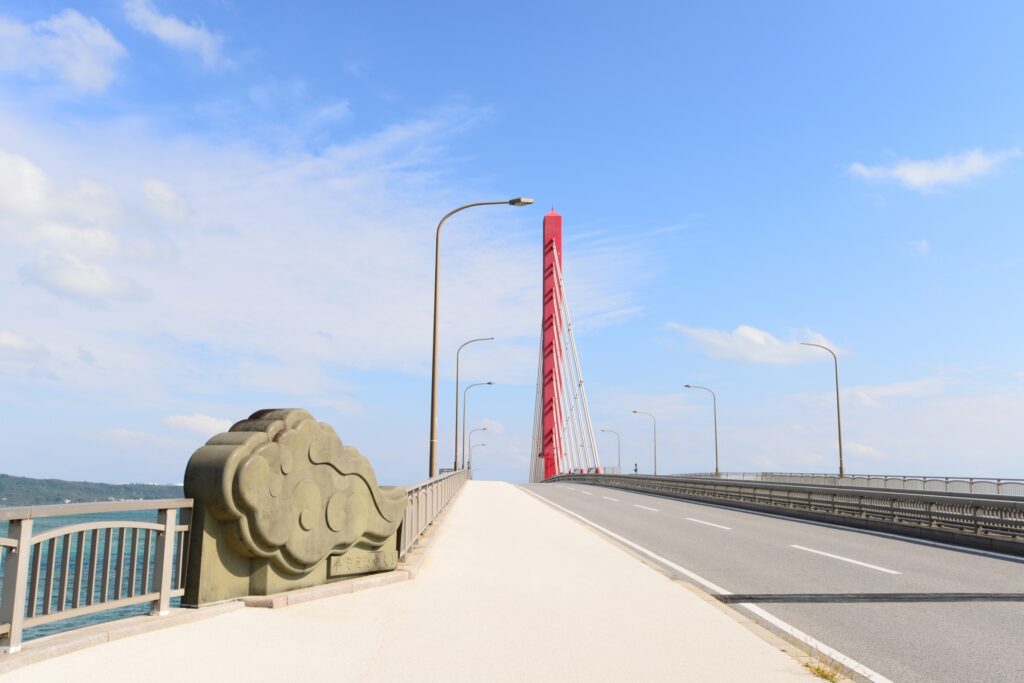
<point x="48" y="523"/>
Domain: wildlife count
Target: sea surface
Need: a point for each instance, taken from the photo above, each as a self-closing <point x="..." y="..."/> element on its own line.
<point x="47" y="523"/>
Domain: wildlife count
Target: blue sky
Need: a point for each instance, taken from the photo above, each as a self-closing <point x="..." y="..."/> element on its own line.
<point x="212" y="207"/>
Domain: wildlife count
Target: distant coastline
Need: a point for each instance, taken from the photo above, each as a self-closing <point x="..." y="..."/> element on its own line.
<point x="16" y="491"/>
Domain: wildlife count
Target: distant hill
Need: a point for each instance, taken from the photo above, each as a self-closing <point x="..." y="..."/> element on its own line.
<point x="28" y="491"/>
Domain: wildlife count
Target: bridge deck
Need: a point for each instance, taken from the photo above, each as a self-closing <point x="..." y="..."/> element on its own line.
<point x="511" y="590"/>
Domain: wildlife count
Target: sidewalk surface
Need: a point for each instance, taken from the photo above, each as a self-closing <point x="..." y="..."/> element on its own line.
<point x="510" y="590"/>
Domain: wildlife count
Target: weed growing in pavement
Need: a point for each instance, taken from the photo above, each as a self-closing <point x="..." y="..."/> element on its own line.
<point x="822" y="671"/>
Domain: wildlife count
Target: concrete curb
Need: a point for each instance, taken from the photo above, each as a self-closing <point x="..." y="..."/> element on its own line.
<point x="406" y="570"/>
<point x="59" y="644"/>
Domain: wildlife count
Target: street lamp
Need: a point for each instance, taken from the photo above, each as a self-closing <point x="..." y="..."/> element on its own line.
<point x="476" y="445"/>
<point x="653" y="419"/>
<point x="464" y="404"/>
<point x="714" y="404"/>
<point x="456" y="465"/>
<point x="839" y="419"/>
<point x="618" y="441"/>
<point x="472" y="431"/>
<point x="515" y="201"/>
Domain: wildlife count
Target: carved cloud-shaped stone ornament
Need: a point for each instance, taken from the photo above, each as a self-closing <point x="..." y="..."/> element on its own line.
<point x="283" y="487"/>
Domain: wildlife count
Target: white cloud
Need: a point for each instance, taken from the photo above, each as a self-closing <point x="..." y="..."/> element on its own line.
<point x="163" y="201"/>
<point x="751" y="345"/>
<point x="79" y="240"/>
<point x="948" y="170"/>
<point x="24" y="187"/>
<point x="172" y="31"/>
<point x="874" y="396"/>
<point x="76" y="49"/>
<point x="863" y="451"/>
<point x="67" y="275"/>
<point x="204" y="425"/>
<point x="921" y="247"/>
<point x="14" y="344"/>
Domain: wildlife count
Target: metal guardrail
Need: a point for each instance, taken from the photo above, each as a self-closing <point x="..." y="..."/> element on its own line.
<point x="981" y="485"/>
<point x="992" y="522"/>
<point x="90" y="566"/>
<point x="426" y="501"/>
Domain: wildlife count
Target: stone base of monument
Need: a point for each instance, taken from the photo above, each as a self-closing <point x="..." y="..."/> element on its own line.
<point x="281" y="504"/>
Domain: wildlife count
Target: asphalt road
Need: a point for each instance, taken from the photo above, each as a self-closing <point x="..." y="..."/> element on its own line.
<point x="814" y="576"/>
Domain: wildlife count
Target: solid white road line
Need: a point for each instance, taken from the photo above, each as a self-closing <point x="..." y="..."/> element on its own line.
<point x="813" y="643"/>
<point x="586" y="493"/>
<point x="846" y="559"/>
<point x="701" y="521"/>
<point x="614" y="500"/>
<point x="644" y="507"/>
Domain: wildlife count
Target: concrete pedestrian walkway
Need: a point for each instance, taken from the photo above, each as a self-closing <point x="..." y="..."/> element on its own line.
<point x="511" y="590"/>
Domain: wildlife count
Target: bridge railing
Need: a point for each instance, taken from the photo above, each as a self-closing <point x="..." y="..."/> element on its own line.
<point x="979" y="520"/>
<point x="104" y="559"/>
<point x="91" y="565"/>
<point x="981" y="485"/>
<point x="426" y="501"/>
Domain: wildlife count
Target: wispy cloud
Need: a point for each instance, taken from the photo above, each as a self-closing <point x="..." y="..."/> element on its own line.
<point x="874" y="396"/>
<point x="920" y="247"/>
<point x="750" y="345"/>
<point x="928" y="174"/>
<point x="204" y="425"/>
<point x="188" y="37"/>
<point x="70" y="47"/>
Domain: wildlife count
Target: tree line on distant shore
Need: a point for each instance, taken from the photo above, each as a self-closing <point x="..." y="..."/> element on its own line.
<point x="27" y="491"/>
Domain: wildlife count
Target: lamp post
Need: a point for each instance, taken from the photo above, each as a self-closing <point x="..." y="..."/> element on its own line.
<point x="472" y="431"/>
<point x="456" y="465"/>
<point x="516" y="201"/>
<point x="464" y="405"/>
<point x="476" y="445"/>
<point x="655" y="421"/>
<point x="618" y="450"/>
<point x="714" y="404"/>
<point x="839" y="419"/>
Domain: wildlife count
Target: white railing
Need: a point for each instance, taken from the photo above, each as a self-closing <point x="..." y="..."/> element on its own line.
<point x="426" y="501"/>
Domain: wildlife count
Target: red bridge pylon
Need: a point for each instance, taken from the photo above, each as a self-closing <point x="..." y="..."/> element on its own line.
<point x="563" y="437"/>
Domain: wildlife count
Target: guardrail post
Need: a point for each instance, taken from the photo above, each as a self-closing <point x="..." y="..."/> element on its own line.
<point x="164" y="560"/>
<point x="12" y="608"/>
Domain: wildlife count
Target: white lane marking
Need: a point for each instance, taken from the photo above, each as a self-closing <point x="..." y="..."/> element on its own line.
<point x="644" y="507"/>
<point x="701" y="521"/>
<point x="614" y="500"/>
<point x="793" y="631"/>
<point x="846" y="559"/>
<point x="570" y="488"/>
<point x="586" y="493"/>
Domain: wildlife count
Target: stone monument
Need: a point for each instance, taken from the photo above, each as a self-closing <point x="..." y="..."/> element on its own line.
<point x="280" y="503"/>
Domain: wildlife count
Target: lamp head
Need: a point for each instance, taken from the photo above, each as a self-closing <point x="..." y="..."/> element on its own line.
<point x="636" y="411"/>
<point x="688" y="386"/>
<point x="490" y="382"/>
<point x="520" y="201"/>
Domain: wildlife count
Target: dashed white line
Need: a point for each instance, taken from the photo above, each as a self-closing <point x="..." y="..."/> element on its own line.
<point x="644" y="507"/>
<point x="570" y="488"/>
<point x="846" y="559"/>
<point x="614" y="500"/>
<point x="586" y="493"/>
<point x="779" y="624"/>
<point x="701" y="521"/>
